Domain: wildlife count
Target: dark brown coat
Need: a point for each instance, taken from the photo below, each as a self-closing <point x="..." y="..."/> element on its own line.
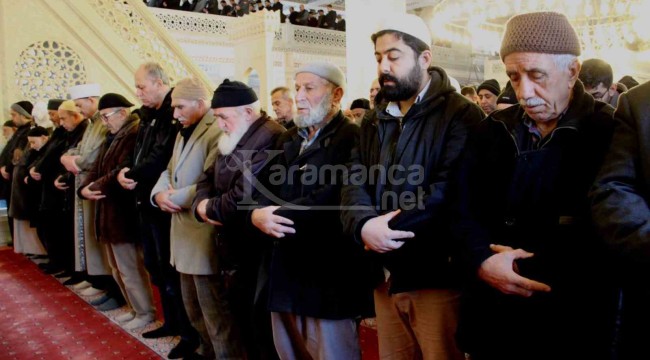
<point x="116" y="215"/>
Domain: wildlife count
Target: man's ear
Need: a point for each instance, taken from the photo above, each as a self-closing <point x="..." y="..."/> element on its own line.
<point x="425" y="59"/>
<point x="337" y="94"/>
<point x="574" y="71"/>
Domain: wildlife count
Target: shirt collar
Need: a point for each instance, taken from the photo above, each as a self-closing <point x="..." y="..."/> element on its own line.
<point x="304" y="134"/>
<point x="393" y="107"/>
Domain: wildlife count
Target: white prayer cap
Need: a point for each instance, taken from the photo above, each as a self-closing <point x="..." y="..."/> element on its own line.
<point x="407" y="24"/>
<point x="84" y="91"/>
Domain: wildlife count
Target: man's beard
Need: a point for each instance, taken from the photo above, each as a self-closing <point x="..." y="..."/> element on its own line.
<point x="403" y="89"/>
<point x="316" y="115"/>
<point x="228" y="142"/>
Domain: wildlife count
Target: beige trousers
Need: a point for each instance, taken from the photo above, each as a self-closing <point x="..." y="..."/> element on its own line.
<point x="127" y="265"/>
<point x="417" y="324"/>
<point x="26" y="240"/>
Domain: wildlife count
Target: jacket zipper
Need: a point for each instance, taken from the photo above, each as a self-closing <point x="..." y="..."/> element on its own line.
<point x="514" y="141"/>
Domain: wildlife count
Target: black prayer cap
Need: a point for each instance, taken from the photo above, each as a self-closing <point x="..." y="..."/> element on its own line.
<point x="37" y="131"/>
<point x="508" y="95"/>
<point x="360" y="104"/>
<point x="233" y="94"/>
<point x="53" y="104"/>
<point x="112" y="100"/>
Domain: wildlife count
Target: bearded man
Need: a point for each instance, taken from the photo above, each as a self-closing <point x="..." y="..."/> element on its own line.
<point x="413" y="138"/>
<point x="306" y="230"/>
<point x="223" y="200"/>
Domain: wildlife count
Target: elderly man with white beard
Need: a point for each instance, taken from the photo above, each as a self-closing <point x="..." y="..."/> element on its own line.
<point x="223" y="199"/>
<point x="314" y="299"/>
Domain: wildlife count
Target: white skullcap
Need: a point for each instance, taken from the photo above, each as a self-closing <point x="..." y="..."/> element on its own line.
<point x="84" y="91"/>
<point x="327" y="71"/>
<point x="407" y="24"/>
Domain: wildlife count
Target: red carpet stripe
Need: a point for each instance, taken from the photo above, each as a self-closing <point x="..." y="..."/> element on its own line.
<point x="42" y="319"/>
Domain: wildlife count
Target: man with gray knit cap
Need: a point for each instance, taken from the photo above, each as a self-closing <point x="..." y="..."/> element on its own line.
<point x="396" y="200"/>
<point x="539" y="274"/>
<point x="319" y="281"/>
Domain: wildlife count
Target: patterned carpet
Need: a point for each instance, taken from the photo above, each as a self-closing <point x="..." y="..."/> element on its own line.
<point x="42" y="319"/>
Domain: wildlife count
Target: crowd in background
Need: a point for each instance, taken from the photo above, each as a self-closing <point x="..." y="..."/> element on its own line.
<point x="237" y="8"/>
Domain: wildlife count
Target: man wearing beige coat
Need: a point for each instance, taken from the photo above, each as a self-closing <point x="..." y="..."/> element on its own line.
<point x="193" y="250"/>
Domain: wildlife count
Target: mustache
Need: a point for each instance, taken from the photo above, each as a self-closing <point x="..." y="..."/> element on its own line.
<point x="387" y="77"/>
<point x="532" y="102"/>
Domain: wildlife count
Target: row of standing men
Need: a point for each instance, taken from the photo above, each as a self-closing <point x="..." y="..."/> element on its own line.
<point x="502" y="237"/>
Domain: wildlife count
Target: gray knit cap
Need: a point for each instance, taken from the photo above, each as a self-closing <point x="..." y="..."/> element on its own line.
<point x="24" y="108"/>
<point x="327" y="71"/>
<point x="544" y="32"/>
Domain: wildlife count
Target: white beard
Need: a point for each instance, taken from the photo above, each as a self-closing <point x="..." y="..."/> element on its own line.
<point x="316" y="115"/>
<point x="228" y="142"/>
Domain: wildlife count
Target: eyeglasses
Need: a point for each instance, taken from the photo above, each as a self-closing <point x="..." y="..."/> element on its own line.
<point x="106" y="116"/>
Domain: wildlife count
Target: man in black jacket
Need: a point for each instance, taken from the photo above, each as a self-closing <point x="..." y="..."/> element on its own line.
<point x="621" y="212"/>
<point x="153" y="149"/>
<point x="309" y="293"/>
<point x="21" y="115"/>
<point x="62" y="254"/>
<point x="51" y="199"/>
<point x="223" y="199"/>
<point x="329" y="19"/>
<point x="396" y="201"/>
<point x="538" y="274"/>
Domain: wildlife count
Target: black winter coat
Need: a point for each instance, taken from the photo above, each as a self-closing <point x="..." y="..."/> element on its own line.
<point x="153" y="149"/>
<point x="621" y="210"/>
<point x="7" y="158"/>
<point x="318" y="271"/>
<point x="421" y="154"/>
<point x="25" y="197"/>
<point x="116" y="218"/>
<point x="533" y="196"/>
<point x="226" y="187"/>
<point x="73" y="139"/>
<point x="50" y="167"/>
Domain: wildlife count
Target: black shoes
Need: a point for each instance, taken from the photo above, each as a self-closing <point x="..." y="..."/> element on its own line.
<point x="183" y="349"/>
<point x="195" y="356"/>
<point x="158" y="333"/>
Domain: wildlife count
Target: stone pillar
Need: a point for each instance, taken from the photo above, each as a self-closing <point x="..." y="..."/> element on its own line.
<point x="253" y="38"/>
<point x="361" y="21"/>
